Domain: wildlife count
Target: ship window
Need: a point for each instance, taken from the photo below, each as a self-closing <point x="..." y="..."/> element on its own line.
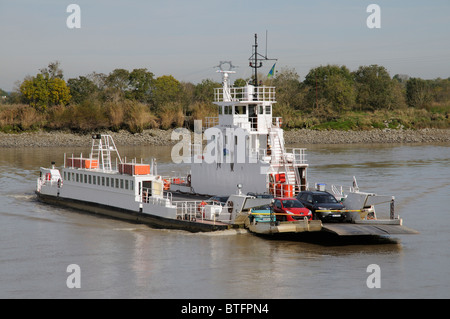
<point x="220" y="110"/>
<point x="261" y="110"/>
<point x="107" y="181"/>
<point x="73" y="176"/>
<point x="252" y="110"/>
<point x="85" y="179"/>
<point x="103" y="180"/>
<point x="90" y="179"/>
<point x="77" y="177"/>
<point x="121" y="183"/>
<point x="131" y="185"/>
<point x="117" y="183"/>
<point x="268" y="109"/>
<point x="240" y="109"/>
<point x="228" y="109"/>
<point x="98" y="180"/>
<point x="64" y="175"/>
<point x="94" y="180"/>
<point x="126" y="184"/>
<point x="147" y="187"/>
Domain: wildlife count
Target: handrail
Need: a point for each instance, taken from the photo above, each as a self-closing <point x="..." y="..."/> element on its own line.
<point x="245" y="94"/>
<point x="196" y="210"/>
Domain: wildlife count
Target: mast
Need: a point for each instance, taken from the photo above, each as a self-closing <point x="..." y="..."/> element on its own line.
<point x="255" y="64"/>
<point x="256" y="59"/>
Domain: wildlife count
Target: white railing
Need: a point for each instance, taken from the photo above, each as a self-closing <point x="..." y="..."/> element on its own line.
<point x="210" y="122"/>
<point x="241" y="94"/>
<point x="201" y="211"/>
<point x="299" y="156"/>
<point x="277" y="121"/>
<point x="148" y="198"/>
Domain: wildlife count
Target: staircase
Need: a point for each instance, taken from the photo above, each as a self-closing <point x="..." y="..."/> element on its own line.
<point x="279" y="158"/>
<point x="102" y="145"/>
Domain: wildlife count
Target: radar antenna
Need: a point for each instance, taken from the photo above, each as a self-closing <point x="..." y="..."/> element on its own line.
<point x="225" y="82"/>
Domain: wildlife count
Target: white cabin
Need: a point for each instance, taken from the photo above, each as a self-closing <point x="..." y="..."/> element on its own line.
<point x="249" y="146"/>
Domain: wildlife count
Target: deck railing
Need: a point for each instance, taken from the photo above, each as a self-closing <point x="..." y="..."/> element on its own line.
<point x="203" y="211"/>
<point x="245" y="94"/>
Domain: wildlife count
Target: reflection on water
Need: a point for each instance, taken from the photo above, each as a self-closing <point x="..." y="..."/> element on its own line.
<point x="124" y="260"/>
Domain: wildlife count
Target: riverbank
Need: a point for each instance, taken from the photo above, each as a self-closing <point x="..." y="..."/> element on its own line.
<point x="163" y="137"/>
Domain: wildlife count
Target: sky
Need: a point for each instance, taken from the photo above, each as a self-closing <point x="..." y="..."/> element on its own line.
<point x="188" y="38"/>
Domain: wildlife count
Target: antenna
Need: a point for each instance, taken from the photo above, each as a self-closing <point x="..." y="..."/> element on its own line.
<point x="266" y="44"/>
<point x="256" y="59"/>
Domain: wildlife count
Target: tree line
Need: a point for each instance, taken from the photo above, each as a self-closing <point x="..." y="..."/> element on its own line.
<point x="330" y="96"/>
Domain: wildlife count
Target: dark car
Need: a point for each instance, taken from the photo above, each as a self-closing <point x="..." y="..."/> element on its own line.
<point x="323" y="205"/>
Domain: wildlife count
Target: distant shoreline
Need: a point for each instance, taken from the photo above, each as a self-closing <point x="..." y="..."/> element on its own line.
<point x="158" y="137"/>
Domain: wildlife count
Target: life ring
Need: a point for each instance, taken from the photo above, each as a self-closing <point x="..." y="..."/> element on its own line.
<point x="281" y="121"/>
<point x="166" y="185"/>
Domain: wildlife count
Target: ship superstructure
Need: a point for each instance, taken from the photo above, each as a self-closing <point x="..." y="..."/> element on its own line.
<point x="249" y="144"/>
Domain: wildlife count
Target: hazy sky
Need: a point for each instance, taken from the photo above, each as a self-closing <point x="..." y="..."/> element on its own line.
<point x="188" y="38"/>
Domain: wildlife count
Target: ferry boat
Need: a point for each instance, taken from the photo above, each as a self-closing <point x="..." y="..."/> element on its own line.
<point x="244" y="154"/>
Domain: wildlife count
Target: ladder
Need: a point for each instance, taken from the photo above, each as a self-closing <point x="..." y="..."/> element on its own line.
<point x="102" y="146"/>
<point x="279" y="157"/>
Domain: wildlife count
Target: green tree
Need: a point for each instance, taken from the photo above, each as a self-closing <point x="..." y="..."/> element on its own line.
<point x="418" y="93"/>
<point x="239" y="83"/>
<point x="35" y="92"/>
<point x="330" y="85"/>
<point x="204" y="91"/>
<point x="374" y="88"/>
<point x="288" y="88"/>
<point x="46" y="88"/>
<point x="139" y="83"/>
<point x="58" y="92"/>
<point x="81" y="89"/>
<point x="165" y="89"/>
<point x="118" y="80"/>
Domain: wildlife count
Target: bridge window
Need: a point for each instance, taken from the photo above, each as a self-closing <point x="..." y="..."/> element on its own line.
<point x="240" y="109"/>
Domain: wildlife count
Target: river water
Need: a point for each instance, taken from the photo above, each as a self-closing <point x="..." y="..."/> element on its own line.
<point x="121" y="260"/>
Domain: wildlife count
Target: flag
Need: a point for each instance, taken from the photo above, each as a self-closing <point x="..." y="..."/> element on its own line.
<point x="271" y="72"/>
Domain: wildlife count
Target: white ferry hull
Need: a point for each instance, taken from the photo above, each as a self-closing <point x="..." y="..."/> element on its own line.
<point x="134" y="216"/>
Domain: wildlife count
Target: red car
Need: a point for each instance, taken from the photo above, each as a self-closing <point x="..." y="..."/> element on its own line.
<point x="293" y="209"/>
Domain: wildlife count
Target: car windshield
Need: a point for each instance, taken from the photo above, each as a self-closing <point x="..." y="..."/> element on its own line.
<point x="292" y="203"/>
<point x="325" y="198"/>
